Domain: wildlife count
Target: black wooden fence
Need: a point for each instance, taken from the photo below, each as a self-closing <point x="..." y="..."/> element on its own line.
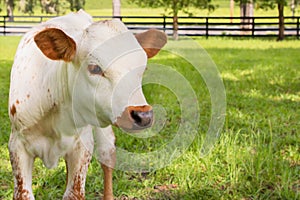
<point x="191" y="26"/>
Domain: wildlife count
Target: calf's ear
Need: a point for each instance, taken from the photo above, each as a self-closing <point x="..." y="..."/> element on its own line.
<point x="152" y="41"/>
<point x="55" y="44"/>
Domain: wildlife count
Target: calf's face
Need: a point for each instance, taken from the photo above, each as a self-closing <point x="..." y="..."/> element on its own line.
<point x="109" y="62"/>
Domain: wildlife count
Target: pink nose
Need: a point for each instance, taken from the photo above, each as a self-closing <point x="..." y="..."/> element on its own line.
<point x="136" y="118"/>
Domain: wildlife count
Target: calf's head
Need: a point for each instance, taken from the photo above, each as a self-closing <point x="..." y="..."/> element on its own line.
<point x="105" y="66"/>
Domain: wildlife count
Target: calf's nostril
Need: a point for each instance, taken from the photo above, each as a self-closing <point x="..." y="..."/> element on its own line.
<point x="142" y="119"/>
<point x="135" y="116"/>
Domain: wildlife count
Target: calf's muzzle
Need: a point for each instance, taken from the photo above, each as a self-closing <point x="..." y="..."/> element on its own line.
<point x="135" y="118"/>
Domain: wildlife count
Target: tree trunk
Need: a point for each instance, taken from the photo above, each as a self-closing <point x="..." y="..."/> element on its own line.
<point x="231" y="10"/>
<point x="175" y="27"/>
<point x="281" y="21"/>
<point x="246" y="11"/>
<point x="116" y="8"/>
<point x="10" y="10"/>
<point x="293" y="7"/>
<point x="175" y="19"/>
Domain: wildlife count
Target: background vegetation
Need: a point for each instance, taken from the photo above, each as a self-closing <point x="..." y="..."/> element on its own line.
<point x="256" y="157"/>
<point x="104" y="7"/>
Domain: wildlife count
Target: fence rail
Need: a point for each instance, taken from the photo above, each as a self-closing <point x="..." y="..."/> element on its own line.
<point x="191" y="26"/>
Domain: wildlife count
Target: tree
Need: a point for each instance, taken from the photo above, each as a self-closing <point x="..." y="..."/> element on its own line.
<point x="271" y="4"/>
<point x="174" y="6"/>
<point x="50" y="6"/>
<point x="10" y="9"/>
<point x="26" y="6"/>
<point x="76" y="5"/>
<point x="54" y="6"/>
<point x="116" y="7"/>
<point x="246" y="11"/>
<point x="231" y="10"/>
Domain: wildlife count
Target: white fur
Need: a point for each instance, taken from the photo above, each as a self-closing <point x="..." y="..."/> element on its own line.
<point x="54" y="105"/>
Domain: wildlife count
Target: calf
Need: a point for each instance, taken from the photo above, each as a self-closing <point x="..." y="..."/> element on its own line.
<point x="72" y="79"/>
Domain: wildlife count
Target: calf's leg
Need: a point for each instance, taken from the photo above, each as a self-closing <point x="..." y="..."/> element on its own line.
<point x="108" y="186"/>
<point x="77" y="162"/>
<point x="22" y="163"/>
<point x="106" y="153"/>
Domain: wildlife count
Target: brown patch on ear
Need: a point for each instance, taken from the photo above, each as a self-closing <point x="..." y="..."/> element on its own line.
<point x="55" y="44"/>
<point x="152" y="41"/>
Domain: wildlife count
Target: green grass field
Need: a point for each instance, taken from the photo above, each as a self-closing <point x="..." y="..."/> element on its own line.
<point x="256" y="157"/>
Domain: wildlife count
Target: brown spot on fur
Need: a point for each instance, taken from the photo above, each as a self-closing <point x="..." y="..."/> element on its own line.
<point x="17" y="102"/>
<point x="79" y="180"/>
<point x="13" y="110"/>
<point x="77" y="191"/>
<point x="19" y="193"/>
<point x="28" y="96"/>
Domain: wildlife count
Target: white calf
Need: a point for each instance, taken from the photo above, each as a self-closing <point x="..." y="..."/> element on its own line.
<point x="71" y="78"/>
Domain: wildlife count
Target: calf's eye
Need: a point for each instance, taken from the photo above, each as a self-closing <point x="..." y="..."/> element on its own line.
<point x="95" y="69"/>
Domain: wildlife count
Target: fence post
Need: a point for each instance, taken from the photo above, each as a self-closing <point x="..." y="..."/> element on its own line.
<point x="4" y="25"/>
<point x="253" y="26"/>
<point x="206" y="27"/>
<point x="297" y="27"/>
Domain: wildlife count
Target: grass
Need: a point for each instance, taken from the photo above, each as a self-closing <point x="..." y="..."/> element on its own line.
<point x="256" y="157"/>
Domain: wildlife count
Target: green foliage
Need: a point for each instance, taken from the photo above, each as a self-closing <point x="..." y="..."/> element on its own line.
<point x="268" y="4"/>
<point x="256" y="157"/>
<point x="76" y="5"/>
<point x="54" y="6"/>
<point x="27" y="6"/>
<point x="174" y="6"/>
<point x="265" y="4"/>
<point x="50" y="6"/>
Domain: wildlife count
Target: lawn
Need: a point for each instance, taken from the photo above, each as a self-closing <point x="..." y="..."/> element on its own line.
<point x="257" y="155"/>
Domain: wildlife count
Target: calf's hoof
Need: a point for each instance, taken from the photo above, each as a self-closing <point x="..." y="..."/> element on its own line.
<point x="73" y="196"/>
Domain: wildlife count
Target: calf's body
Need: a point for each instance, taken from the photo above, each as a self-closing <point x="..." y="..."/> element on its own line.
<point x="72" y="79"/>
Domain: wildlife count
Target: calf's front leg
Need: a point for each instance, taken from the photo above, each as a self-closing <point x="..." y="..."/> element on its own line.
<point x="77" y="162"/>
<point x="106" y="154"/>
<point x="108" y="186"/>
<point x="22" y="163"/>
